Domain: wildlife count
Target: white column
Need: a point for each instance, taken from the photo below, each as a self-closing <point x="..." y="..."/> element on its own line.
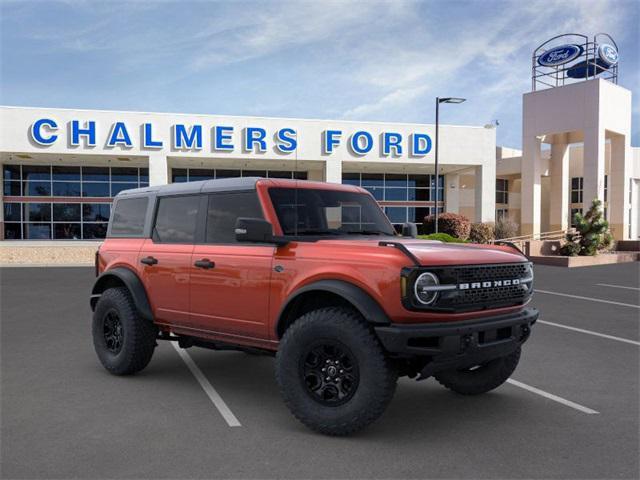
<point x="559" y="204"/>
<point x="158" y="169"/>
<point x="452" y="192"/>
<point x="531" y="173"/>
<point x="485" y="192"/>
<point x="619" y="186"/>
<point x="593" y="166"/>
<point x="333" y="171"/>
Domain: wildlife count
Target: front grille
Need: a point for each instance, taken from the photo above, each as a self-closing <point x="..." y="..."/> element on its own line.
<point x="475" y="287"/>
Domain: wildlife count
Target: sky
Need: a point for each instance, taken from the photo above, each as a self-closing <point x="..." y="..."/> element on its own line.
<point x="345" y="60"/>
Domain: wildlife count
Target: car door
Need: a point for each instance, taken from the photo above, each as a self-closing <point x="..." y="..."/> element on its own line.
<point x="229" y="280"/>
<point x="165" y="258"/>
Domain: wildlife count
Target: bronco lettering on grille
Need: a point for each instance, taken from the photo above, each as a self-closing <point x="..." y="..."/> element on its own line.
<point x="489" y="284"/>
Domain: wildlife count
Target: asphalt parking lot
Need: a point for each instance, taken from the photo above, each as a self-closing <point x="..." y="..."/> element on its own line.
<point x="572" y="410"/>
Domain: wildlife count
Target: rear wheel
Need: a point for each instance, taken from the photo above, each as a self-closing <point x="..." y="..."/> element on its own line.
<point x="333" y="373"/>
<point x="123" y="341"/>
<point x="480" y="378"/>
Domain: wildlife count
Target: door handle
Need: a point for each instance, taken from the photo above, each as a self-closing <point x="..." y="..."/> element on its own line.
<point x="204" y="263"/>
<point x="149" y="261"/>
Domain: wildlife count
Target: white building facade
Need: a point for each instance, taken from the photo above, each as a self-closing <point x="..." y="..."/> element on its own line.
<point x="61" y="168"/>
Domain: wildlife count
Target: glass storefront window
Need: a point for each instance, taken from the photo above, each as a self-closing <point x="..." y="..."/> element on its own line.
<point x="66" y="212"/>
<point x="11" y="172"/>
<point x="116" y="188"/>
<point x="92" y="231"/>
<point x="36" y="172"/>
<point x="124" y="174"/>
<point x="12" y="189"/>
<point x="12" y="212"/>
<point x="96" y="212"/>
<point x="37" y="212"/>
<point x="66" y="173"/>
<point x="94" y="189"/>
<point x="95" y="174"/>
<point x="37" y="231"/>
<point x="66" y="189"/>
<point x="195" y="174"/>
<point x="73" y="219"/>
<point x="13" y="231"/>
<point x="37" y="189"/>
<point x="67" y="231"/>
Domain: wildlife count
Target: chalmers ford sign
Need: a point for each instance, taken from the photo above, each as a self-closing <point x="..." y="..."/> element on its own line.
<point x="46" y="132"/>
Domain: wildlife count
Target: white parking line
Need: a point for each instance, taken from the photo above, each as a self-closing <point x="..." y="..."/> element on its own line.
<point x="555" y="398"/>
<point x="589" y="299"/>
<point x="211" y="392"/>
<point x="590" y="332"/>
<point x="617" y="286"/>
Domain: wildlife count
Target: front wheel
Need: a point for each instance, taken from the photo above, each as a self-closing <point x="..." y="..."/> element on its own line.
<point x="333" y="373"/>
<point x="124" y="342"/>
<point x="480" y="378"/>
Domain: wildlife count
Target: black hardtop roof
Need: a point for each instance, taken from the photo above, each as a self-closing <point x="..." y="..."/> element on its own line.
<point x="203" y="186"/>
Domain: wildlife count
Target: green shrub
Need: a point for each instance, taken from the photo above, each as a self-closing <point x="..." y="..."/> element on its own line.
<point x="505" y="228"/>
<point x="592" y="233"/>
<point x="450" y="223"/>
<point x="482" y="232"/>
<point x="443" y="237"/>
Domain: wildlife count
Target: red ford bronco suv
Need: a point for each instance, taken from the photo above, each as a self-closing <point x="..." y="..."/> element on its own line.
<point x="315" y="274"/>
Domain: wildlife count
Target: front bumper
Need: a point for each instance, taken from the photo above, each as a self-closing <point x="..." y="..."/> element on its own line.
<point x="456" y="345"/>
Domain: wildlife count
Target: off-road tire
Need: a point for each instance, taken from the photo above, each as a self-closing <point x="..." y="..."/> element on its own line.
<point x="377" y="376"/>
<point x="481" y="380"/>
<point x="138" y="335"/>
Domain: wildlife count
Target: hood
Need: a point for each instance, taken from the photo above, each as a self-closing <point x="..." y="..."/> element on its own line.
<point x="438" y="253"/>
<point x="430" y="252"/>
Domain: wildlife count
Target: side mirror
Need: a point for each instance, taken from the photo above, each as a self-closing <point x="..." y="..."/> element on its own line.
<point x="256" y="230"/>
<point x="409" y="230"/>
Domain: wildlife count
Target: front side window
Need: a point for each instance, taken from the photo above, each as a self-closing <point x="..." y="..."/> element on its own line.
<point x="223" y="212"/>
<point x="128" y="217"/>
<point x="176" y="219"/>
<point x="328" y="212"/>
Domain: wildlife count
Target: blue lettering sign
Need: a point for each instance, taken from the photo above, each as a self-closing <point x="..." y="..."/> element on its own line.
<point x="286" y="140"/>
<point x="357" y="146"/>
<point x="37" y="134"/>
<point x="222" y="135"/>
<point x="186" y="139"/>
<point x="119" y="136"/>
<point x="89" y="132"/>
<point x="331" y="140"/>
<point x="147" y="138"/>
<point x="391" y="140"/>
<point x="421" y="144"/>
<point x="255" y="136"/>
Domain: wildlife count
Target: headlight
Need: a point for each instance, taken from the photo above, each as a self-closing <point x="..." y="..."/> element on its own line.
<point x="425" y="288"/>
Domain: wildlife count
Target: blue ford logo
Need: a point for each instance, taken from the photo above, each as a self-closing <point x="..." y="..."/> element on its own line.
<point x="560" y="55"/>
<point x="608" y="54"/>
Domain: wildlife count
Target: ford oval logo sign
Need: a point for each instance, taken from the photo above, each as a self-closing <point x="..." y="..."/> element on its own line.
<point x="608" y="54"/>
<point x="560" y="55"/>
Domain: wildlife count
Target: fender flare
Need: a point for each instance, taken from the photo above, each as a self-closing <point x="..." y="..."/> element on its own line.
<point x="369" y="308"/>
<point x="131" y="281"/>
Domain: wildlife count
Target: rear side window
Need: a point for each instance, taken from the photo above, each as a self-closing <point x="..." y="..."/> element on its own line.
<point x="176" y="219"/>
<point x="128" y="217"/>
<point x="224" y="209"/>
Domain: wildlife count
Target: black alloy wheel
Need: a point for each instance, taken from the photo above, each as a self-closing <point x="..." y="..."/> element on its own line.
<point x="330" y="373"/>
<point x="113" y="332"/>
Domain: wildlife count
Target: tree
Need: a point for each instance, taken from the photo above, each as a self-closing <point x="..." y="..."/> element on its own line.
<point x="592" y="233"/>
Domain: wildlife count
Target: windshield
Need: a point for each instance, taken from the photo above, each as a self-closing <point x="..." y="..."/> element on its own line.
<point x="328" y="212"/>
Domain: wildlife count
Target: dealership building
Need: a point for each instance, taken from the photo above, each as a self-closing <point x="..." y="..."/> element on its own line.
<point x="61" y="168"/>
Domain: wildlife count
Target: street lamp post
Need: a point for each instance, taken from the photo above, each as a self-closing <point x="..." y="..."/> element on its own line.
<point x="438" y="102"/>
